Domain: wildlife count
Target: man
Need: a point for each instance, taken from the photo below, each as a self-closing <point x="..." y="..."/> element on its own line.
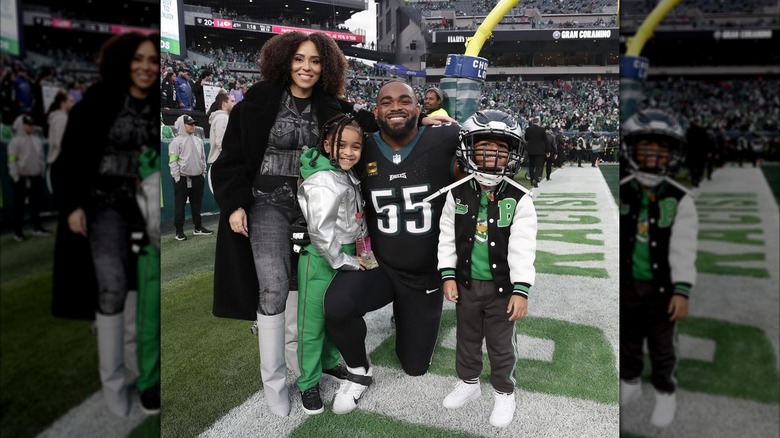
<point x="200" y="101"/>
<point x="433" y="99"/>
<point x="187" y="160"/>
<point x="402" y="164"/>
<point x="537" y="145"/>
<point x="596" y="143"/>
<point x="218" y="120"/>
<point x="168" y="91"/>
<point x="184" y="96"/>
<point x="26" y="167"/>
<point x="560" y="144"/>
<point x="583" y="150"/>
<point x="552" y="154"/>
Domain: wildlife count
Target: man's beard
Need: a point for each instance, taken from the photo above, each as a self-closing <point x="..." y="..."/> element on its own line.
<point x="400" y="132"/>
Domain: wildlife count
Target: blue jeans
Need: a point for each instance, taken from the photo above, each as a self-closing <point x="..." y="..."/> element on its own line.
<point x="269" y="220"/>
<point x="109" y="239"/>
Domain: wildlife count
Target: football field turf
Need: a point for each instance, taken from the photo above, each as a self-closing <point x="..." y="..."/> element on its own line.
<point x="567" y="374"/>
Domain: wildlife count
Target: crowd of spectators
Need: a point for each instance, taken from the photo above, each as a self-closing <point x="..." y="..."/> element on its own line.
<point x="483" y="7"/>
<point x="741" y="115"/>
<point x="21" y="83"/>
<point x="733" y="104"/>
<point x="709" y="14"/>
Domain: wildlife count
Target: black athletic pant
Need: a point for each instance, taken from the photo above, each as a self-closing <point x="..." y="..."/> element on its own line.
<point x="180" y="193"/>
<point x="643" y="315"/>
<point x="352" y="294"/>
<point x="535" y="163"/>
<point x="548" y="161"/>
<point x="31" y="188"/>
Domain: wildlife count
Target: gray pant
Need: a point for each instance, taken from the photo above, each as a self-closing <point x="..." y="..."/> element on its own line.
<point x="269" y="234"/>
<point x="481" y="314"/>
<point x="109" y="239"/>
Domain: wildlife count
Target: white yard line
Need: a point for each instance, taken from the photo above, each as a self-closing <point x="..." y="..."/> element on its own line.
<point x="93" y="419"/>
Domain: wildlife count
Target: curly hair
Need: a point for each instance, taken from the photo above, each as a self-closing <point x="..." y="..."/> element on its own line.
<point x="331" y="132"/>
<point x="277" y="53"/>
<point x="117" y="53"/>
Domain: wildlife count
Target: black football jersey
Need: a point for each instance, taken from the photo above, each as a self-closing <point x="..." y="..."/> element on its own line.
<point x="404" y="229"/>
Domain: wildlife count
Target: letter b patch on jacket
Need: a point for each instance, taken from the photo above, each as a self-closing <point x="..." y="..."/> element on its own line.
<point x="506" y="212"/>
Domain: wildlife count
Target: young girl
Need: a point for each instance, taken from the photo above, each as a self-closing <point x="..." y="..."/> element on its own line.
<point x="330" y="200"/>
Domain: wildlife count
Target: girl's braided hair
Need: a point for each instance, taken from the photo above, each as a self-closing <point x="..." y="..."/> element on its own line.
<point x="331" y="132"/>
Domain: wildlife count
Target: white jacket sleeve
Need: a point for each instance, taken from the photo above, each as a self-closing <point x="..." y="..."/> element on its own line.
<point x="683" y="246"/>
<point x="522" y="244"/>
<point x="448" y="257"/>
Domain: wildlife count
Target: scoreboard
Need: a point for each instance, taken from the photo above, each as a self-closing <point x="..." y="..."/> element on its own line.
<point x="272" y="28"/>
<point x="87" y="26"/>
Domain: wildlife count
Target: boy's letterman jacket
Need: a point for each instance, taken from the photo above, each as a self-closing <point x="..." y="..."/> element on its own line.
<point x="512" y="225"/>
<point x="673" y="227"/>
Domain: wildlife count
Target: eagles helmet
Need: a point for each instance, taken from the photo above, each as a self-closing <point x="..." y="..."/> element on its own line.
<point x="490" y="124"/>
<point x="653" y="124"/>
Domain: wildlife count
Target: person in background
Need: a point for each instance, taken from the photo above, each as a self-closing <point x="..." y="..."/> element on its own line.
<point x="184" y="95"/>
<point x="168" y="94"/>
<point x="218" y="121"/>
<point x="433" y="100"/>
<point x="57" y="117"/>
<point x="187" y="161"/>
<point x="551" y="156"/>
<point x="26" y="169"/>
<point x="204" y="79"/>
<point x="538" y="146"/>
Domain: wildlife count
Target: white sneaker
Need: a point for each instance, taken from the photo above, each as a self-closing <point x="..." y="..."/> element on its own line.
<point x="462" y="394"/>
<point x="630" y="391"/>
<point x="348" y="394"/>
<point x="665" y="407"/>
<point x="503" y="410"/>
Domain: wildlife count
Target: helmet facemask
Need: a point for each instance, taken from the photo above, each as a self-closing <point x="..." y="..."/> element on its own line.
<point x="653" y="145"/>
<point x="490" y="147"/>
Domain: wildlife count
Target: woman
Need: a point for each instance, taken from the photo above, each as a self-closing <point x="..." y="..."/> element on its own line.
<point x="255" y="184"/>
<point x="57" y="117"/>
<point x="95" y="180"/>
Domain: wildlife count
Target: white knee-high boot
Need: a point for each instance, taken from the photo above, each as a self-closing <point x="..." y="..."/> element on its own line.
<point x="291" y="333"/>
<point x="131" y="360"/>
<point x="110" y="331"/>
<point x="272" y="363"/>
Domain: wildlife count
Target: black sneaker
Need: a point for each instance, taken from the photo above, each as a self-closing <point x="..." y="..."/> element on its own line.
<point x="180" y="236"/>
<point x="312" y="402"/>
<point x="150" y="400"/>
<point x="337" y="374"/>
<point x="41" y="232"/>
<point x="202" y="231"/>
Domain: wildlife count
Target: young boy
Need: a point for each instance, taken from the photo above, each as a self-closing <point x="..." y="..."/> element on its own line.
<point x="658" y="235"/>
<point x="487" y="247"/>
